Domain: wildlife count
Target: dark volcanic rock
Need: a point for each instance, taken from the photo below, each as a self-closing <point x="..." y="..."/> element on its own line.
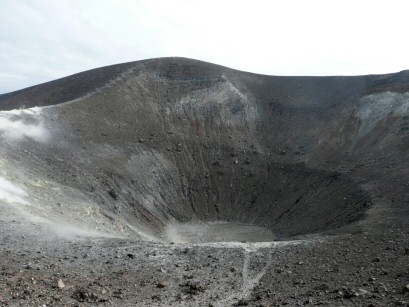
<point x="213" y="112"/>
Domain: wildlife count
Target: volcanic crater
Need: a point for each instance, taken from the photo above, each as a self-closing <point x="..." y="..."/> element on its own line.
<point x="175" y="150"/>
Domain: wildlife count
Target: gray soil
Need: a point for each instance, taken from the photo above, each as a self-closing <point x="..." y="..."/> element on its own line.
<point x="177" y="182"/>
<point x="217" y="232"/>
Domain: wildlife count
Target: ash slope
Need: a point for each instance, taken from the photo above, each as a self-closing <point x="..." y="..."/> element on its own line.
<point x="134" y="147"/>
<point x="125" y="151"/>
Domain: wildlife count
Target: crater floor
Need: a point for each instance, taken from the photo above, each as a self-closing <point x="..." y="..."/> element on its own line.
<point x="217" y="232"/>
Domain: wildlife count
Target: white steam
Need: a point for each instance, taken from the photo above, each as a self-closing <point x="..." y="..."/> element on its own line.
<point x="71" y="231"/>
<point x="25" y="123"/>
<point x="11" y="193"/>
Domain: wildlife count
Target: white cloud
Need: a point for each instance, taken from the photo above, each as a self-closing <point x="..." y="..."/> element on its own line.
<point x="43" y="39"/>
<point x="25" y="123"/>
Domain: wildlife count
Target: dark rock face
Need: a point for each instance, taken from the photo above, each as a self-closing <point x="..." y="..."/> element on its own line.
<point x="218" y="144"/>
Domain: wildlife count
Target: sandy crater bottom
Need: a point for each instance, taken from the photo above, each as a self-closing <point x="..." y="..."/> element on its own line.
<point x="217" y="232"/>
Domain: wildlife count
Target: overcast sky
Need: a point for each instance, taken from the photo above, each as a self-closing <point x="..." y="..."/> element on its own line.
<point x="41" y="40"/>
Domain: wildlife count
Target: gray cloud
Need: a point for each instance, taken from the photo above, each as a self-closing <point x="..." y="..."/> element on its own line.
<point x="41" y="40"/>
